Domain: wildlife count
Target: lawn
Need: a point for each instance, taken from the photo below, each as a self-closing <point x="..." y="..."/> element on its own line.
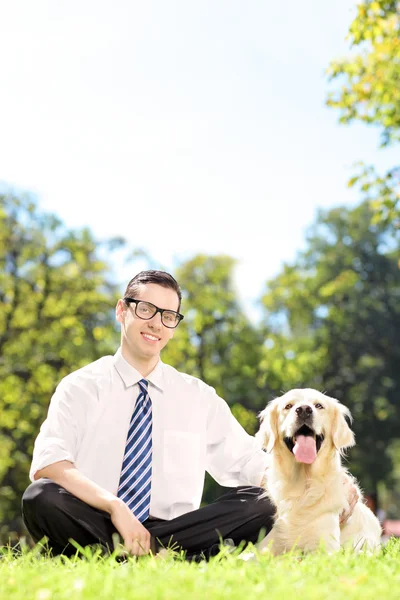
<point x="320" y="576"/>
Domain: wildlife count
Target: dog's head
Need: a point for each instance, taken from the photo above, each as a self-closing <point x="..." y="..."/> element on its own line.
<point x="302" y="422"/>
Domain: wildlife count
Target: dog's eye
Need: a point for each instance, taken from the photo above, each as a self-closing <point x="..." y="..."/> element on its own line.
<point x="288" y="406"/>
<point x="319" y="406"/>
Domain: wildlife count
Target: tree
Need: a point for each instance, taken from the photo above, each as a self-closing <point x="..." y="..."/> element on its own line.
<point x="216" y="341"/>
<point x="338" y="310"/>
<point x="369" y="91"/>
<point x="56" y="315"/>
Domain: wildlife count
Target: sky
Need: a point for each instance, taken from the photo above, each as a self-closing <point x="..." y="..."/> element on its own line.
<point x="184" y="126"/>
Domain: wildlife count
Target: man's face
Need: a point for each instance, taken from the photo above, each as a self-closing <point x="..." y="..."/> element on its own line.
<point x="144" y="339"/>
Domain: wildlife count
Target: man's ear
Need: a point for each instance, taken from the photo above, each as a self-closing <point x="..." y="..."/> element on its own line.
<point x="120" y="310"/>
<point x="342" y="435"/>
<point x="268" y="432"/>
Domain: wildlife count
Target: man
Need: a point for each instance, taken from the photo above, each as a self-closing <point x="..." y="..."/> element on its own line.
<point x="128" y="439"/>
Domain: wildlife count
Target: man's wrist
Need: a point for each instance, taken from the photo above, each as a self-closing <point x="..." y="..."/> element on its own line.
<point x="114" y="503"/>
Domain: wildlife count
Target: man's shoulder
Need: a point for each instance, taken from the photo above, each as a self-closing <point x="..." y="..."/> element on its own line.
<point x="176" y="377"/>
<point x="93" y="372"/>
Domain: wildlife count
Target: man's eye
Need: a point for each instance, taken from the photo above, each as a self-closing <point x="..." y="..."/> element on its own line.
<point x="288" y="406"/>
<point x="319" y="406"/>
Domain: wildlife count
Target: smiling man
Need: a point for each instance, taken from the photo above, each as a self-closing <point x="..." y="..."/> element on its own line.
<point x="127" y="442"/>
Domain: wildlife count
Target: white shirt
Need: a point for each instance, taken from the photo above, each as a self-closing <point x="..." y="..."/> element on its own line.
<point x="193" y="431"/>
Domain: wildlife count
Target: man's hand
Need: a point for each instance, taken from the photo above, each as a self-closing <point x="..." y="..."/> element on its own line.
<point x="352" y="498"/>
<point x="136" y="537"/>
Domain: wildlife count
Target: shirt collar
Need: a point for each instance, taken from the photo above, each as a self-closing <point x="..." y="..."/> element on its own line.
<point x="130" y="375"/>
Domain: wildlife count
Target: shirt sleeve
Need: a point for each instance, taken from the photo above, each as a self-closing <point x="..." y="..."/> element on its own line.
<point x="233" y="456"/>
<point x="58" y="438"/>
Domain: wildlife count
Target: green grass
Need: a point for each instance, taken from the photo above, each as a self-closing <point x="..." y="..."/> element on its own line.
<point x="30" y="575"/>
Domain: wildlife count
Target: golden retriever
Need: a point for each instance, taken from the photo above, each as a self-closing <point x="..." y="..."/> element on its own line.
<point x="305" y="433"/>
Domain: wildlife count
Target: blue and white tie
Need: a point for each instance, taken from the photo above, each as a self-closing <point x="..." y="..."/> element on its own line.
<point x="135" y="480"/>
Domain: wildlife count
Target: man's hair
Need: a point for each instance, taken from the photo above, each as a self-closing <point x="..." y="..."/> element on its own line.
<point x="159" y="277"/>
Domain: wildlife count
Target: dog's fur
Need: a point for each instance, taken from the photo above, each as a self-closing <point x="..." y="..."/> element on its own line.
<point x="310" y="497"/>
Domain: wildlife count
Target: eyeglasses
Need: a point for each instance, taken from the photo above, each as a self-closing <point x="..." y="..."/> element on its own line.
<point x="147" y="310"/>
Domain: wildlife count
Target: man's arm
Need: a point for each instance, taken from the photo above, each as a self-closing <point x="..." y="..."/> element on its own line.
<point x="233" y="456"/>
<point x="136" y="537"/>
<point x="54" y="455"/>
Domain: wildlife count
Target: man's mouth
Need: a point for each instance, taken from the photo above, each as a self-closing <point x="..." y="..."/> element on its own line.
<point x="150" y="338"/>
<point x="305" y="444"/>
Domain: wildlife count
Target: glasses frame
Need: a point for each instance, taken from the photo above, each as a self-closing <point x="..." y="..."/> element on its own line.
<point x="134" y="301"/>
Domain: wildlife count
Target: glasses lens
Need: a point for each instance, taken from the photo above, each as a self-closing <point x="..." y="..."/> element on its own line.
<point x="145" y="310"/>
<point x="170" y="318"/>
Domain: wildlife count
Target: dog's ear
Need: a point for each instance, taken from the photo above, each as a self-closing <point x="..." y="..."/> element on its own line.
<point x="268" y="432"/>
<point x="342" y="435"/>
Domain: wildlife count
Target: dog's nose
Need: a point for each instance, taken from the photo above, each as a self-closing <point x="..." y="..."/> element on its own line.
<point x="304" y="411"/>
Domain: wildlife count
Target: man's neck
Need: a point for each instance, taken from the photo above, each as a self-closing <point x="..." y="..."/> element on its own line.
<point x="143" y="365"/>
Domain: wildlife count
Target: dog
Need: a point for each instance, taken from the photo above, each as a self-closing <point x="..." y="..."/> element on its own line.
<point x="306" y="433"/>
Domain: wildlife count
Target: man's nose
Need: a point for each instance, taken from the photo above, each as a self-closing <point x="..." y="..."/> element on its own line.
<point x="156" y="321"/>
<point x="304" y="411"/>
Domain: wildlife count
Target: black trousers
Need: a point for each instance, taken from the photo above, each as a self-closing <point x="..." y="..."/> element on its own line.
<point x="240" y="515"/>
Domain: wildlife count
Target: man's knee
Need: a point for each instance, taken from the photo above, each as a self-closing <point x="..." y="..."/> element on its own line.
<point x="40" y="496"/>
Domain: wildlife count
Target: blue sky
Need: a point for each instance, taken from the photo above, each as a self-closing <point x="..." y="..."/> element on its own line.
<point x="184" y="126"/>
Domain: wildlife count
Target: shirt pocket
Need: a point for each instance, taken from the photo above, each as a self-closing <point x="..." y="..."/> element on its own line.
<point x="181" y="454"/>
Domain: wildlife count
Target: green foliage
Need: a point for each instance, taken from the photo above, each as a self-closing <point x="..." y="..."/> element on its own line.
<point x="368" y="90"/>
<point x="337" y="310"/>
<point x="247" y="418"/>
<point x="56" y="315"/>
<point x="383" y="193"/>
<point x="369" y="77"/>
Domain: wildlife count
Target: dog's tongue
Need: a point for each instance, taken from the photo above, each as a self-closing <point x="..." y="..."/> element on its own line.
<point x="305" y="449"/>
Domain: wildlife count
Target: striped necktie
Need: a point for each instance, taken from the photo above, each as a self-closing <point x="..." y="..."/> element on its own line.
<point x="135" y="480"/>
